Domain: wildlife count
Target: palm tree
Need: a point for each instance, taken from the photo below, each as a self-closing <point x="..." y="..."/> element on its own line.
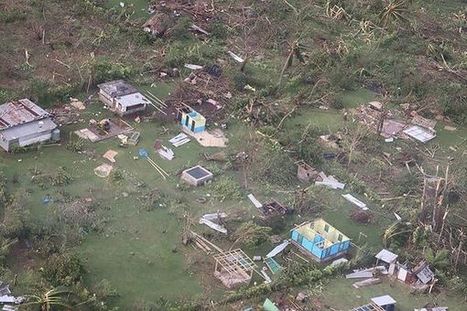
<point x="438" y="260"/>
<point x="53" y="297"/>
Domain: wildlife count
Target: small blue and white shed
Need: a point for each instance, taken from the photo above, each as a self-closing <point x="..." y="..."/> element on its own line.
<point x="320" y="240"/>
<point x="191" y="120"/>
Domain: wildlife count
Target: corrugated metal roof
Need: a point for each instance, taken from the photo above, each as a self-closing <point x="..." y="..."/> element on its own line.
<point x="117" y="88"/>
<point x="19" y="112"/>
<point x="132" y="100"/>
<point x="386" y="256"/>
<point x="26" y="129"/>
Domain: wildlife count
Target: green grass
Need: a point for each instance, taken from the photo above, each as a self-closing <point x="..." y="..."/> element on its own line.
<point x="341" y="295"/>
<point x="140" y="7"/>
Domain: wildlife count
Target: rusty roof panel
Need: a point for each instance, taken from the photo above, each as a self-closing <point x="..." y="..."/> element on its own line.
<point x="19" y="112"/>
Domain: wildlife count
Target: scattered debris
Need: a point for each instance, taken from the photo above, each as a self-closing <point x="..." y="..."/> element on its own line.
<point x="208" y="220"/>
<point x="110" y="155"/>
<point x="144" y="154"/>
<point x="196" y="175"/>
<point x="193" y="67"/>
<point x="338" y="262"/>
<point x="359" y="275"/>
<point x="329" y="181"/>
<point x="423" y="272"/>
<point x="103" y="170"/>
<point x="75" y="103"/>
<point x="104" y="129"/>
<point x="255" y="202"/>
<point x="450" y="128"/>
<point x="355" y="201"/>
<point x="278" y="249"/>
<point x="179" y="140"/>
<point x="272" y="265"/>
<point x="163" y="151"/>
<point x="214" y="138"/>
<point x="234" y="268"/>
<point x="236" y="57"/>
<point x="389" y="258"/>
<point x="268" y="305"/>
<point x="367" y="282"/>
<point x="422" y="130"/>
<point x="133" y="138"/>
<point x="386" y="302"/>
<point x="272" y="209"/>
<point x="306" y="172"/>
<point x="433" y="309"/>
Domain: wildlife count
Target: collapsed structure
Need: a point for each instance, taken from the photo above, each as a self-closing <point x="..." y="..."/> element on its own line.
<point x="234" y="268"/>
<point x="320" y="240"/>
<point x="23" y="123"/>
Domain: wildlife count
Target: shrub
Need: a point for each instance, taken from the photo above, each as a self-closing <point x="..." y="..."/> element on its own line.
<point x="226" y="188"/>
<point x="105" y="70"/>
<point x="63" y="269"/>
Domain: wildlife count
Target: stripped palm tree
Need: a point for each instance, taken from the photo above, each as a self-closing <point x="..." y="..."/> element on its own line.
<point x="295" y="51"/>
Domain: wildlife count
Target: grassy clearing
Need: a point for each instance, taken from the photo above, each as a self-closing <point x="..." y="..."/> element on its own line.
<point x="340" y="294"/>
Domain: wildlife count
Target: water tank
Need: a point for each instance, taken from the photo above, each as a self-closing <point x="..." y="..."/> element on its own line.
<point x="55" y="135"/>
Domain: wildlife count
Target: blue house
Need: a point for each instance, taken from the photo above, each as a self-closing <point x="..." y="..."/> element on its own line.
<point x="191" y="119"/>
<point x="320" y="240"/>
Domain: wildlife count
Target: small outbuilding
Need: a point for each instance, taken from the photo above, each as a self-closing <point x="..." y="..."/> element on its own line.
<point x="389" y="258"/>
<point x="320" y="240"/>
<point x="122" y="98"/>
<point x="196" y="176"/>
<point x="191" y="120"/>
<point x="23" y="123"/>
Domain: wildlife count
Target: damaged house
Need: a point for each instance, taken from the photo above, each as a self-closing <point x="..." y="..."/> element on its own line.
<point x="122" y="98"/>
<point x="320" y="240"/>
<point x="23" y="123"/>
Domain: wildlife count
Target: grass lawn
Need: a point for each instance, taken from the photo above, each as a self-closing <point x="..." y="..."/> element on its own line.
<point x="341" y="295"/>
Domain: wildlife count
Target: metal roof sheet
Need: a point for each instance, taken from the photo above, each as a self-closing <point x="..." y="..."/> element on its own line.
<point x="19" y="112"/>
<point x="26" y="129"/>
<point x="386" y="256"/>
<point x="132" y="100"/>
<point x="117" y="88"/>
<point x="383" y="300"/>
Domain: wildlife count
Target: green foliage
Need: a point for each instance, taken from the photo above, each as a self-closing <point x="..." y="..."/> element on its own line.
<point x="76" y="145"/>
<point x="179" y="53"/>
<point x="438" y="259"/>
<point x="48" y="94"/>
<point x="226" y="188"/>
<point x="116" y="176"/>
<point x="106" y="70"/>
<point x="63" y="269"/>
<point x="272" y="165"/>
<point x="406" y="183"/>
<point x="15" y="221"/>
<point x="181" y="30"/>
<point x="251" y="234"/>
<point x="12" y="16"/>
<point x="420" y="236"/>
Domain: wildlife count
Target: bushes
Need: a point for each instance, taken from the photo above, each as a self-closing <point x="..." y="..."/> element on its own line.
<point x="179" y="53"/>
<point x="227" y="189"/>
<point x="63" y="269"/>
<point x="105" y="70"/>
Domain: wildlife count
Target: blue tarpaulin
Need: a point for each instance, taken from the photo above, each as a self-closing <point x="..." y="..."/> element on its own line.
<point x="143" y="153"/>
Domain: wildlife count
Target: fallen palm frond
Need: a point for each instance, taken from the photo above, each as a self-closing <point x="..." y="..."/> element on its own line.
<point x="394" y="11"/>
